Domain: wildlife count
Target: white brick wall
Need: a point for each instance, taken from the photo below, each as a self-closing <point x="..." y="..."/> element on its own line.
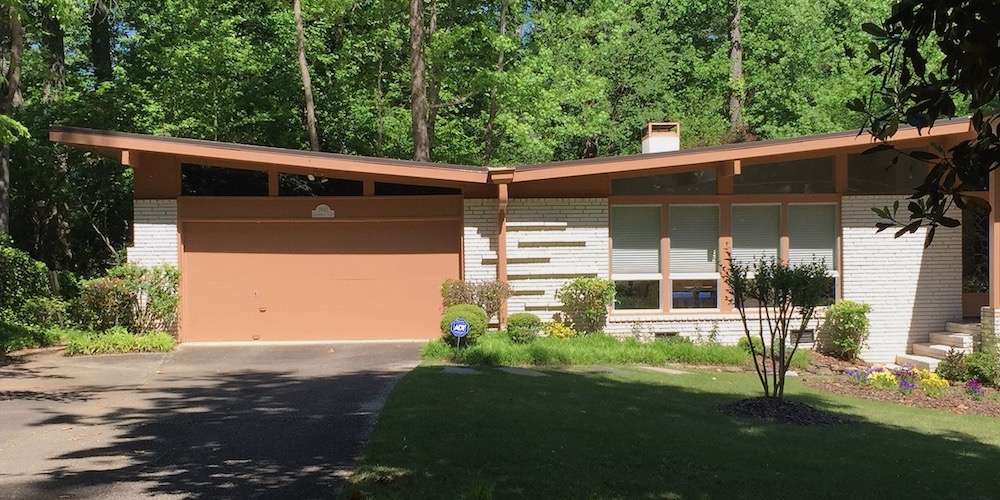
<point x="551" y="239"/>
<point x="729" y="327"/>
<point x="154" y="233"/>
<point x="989" y="328"/>
<point x="480" y="240"/>
<point x="912" y="290"/>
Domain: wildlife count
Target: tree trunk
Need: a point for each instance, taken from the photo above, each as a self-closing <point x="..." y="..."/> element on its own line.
<point x="54" y="54"/>
<point x="737" y="86"/>
<point x="11" y="50"/>
<point x="490" y="136"/>
<point x="306" y="80"/>
<point x="432" y="79"/>
<point x="418" y="88"/>
<point x="100" y="40"/>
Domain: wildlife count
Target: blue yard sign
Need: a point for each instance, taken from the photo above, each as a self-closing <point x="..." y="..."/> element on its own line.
<point x="459" y="327"/>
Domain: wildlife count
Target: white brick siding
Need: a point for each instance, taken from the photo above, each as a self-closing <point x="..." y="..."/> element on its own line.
<point x="729" y="327"/>
<point x="989" y="328"/>
<point x="548" y="242"/>
<point x="912" y="291"/>
<point x="154" y="233"/>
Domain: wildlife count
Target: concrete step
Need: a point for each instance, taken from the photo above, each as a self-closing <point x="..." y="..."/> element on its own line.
<point x="960" y="327"/>
<point x="952" y="339"/>
<point x="939" y="351"/>
<point x="916" y="361"/>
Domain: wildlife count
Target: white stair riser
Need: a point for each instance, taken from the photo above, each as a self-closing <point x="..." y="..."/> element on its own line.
<point x="936" y="350"/>
<point x="966" y="328"/>
<point x="922" y="362"/>
<point x="952" y="339"/>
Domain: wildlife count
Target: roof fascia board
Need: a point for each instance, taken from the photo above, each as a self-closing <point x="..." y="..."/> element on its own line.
<point x="263" y="156"/>
<point x="708" y="156"/>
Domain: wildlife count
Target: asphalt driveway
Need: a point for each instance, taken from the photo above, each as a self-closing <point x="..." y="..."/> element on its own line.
<point x="250" y="421"/>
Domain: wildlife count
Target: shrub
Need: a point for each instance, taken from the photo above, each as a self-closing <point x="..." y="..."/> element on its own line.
<point x="523" y="327"/>
<point x="846" y="324"/>
<point x="14" y="337"/>
<point x="984" y="366"/>
<point x="587" y="301"/>
<point x="152" y="295"/>
<point x="45" y="312"/>
<point x="558" y="330"/>
<point x="119" y="340"/>
<point x="473" y="314"/>
<point x="487" y="294"/>
<point x="954" y="367"/>
<point x="21" y="279"/>
<point x="104" y="303"/>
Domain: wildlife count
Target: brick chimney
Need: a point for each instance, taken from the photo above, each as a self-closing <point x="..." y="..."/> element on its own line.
<point x="661" y="137"/>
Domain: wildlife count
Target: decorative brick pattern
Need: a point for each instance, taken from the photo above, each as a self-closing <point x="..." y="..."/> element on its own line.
<point x="549" y="241"/>
<point x="154" y="233"/>
<point x="913" y="291"/>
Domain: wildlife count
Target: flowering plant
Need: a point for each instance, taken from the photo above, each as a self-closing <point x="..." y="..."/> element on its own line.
<point x="883" y="379"/>
<point x="975" y="389"/>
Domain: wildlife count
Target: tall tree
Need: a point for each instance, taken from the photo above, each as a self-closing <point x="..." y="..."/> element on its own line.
<point x="304" y="73"/>
<point x="11" y="53"/>
<point x="100" y="39"/>
<point x="737" y="85"/>
<point x="418" y="86"/>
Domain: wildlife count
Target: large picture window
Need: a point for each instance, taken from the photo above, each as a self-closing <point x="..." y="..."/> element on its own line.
<point x="694" y="256"/>
<point x="635" y="256"/>
<point x="812" y="237"/>
<point x="756" y="233"/>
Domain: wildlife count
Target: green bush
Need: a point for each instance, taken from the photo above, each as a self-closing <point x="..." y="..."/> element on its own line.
<point x="21" y="279"/>
<point x="984" y="366"/>
<point x="587" y="301"/>
<point x="488" y="294"/>
<point x="141" y="299"/>
<point x="846" y="325"/>
<point x="523" y="327"/>
<point x="954" y="367"/>
<point x="119" y="340"/>
<point x="45" y="312"/>
<point x="14" y="337"/>
<point x="473" y="314"/>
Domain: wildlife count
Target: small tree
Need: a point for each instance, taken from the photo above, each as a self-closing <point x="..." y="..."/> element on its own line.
<point x="786" y="296"/>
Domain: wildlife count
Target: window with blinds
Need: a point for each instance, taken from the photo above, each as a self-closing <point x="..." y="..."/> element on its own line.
<point x="635" y="256"/>
<point x="694" y="256"/>
<point x="756" y="233"/>
<point x="812" y="234"/>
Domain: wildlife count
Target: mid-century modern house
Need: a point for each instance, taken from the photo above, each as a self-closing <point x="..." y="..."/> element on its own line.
<point x="278" y="244"/>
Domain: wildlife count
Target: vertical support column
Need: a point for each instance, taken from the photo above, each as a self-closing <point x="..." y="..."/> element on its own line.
<point x="988" y="316"/>
<point x="726" y="248"/>
<point x="840" y="173"/>
<point x="368" y="188"/>
<point x="784" y="243"/>
<point x="502" y="177"/>
<point x="667" y="297"/>
<point x="273" y="186"/>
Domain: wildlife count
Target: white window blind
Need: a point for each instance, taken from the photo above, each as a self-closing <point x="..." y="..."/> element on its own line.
<point x="694" y="239"/>
<point x="756" y="232"/>
<point x="635" y="240"/>
<point x="812" y="234"/>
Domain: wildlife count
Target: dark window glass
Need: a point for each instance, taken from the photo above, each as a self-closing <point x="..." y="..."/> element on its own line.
<point x="309" y="185"/>
<point x="885" y="172"/>
<point x="700" y="182"/>
<point x="695" y="294"/>
<point x="202" y="180"/>
<point x="814" y="175"/>
<point x="637" y="295"/>
<point x="390" y="189"/>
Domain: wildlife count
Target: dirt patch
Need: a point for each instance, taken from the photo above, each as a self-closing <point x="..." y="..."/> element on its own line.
<point x="781" y="411"/>
<point x="954" y="398"/>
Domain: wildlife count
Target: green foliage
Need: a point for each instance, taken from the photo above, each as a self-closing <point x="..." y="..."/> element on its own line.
<point x="984" y="366"/>
<point x="473" y="314"/>
<point x="954" y="367"/>
<point x="104" y="302"/>
<point x="21" y="280"/>
<point x="15" y="336"/>
<point x="523" y="327"/>
<point x="587" y="301"/>
<point x="488" y="294"/>
<point x="45" y="312"/>
<point x="119" y="340"/>
<point x="846" y="324"/>
<point x="152" y="295"/>
<point x="791" y="295"/>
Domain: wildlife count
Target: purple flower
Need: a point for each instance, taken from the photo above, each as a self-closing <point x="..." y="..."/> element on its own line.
<point x="907" y="385"/>
<point x="975" y="389"/>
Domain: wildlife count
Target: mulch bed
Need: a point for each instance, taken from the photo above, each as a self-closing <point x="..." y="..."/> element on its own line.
<point x="781" y="411"/>
<point x="954" y="398"/>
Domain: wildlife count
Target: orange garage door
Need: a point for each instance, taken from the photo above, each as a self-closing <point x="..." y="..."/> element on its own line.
<point x="316" y="280"/>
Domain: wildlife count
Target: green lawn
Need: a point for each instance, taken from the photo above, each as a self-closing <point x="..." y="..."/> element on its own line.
<point x="638" y="434"/>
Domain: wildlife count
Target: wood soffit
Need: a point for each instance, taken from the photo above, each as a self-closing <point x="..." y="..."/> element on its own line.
<point x="120" y="145"/>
